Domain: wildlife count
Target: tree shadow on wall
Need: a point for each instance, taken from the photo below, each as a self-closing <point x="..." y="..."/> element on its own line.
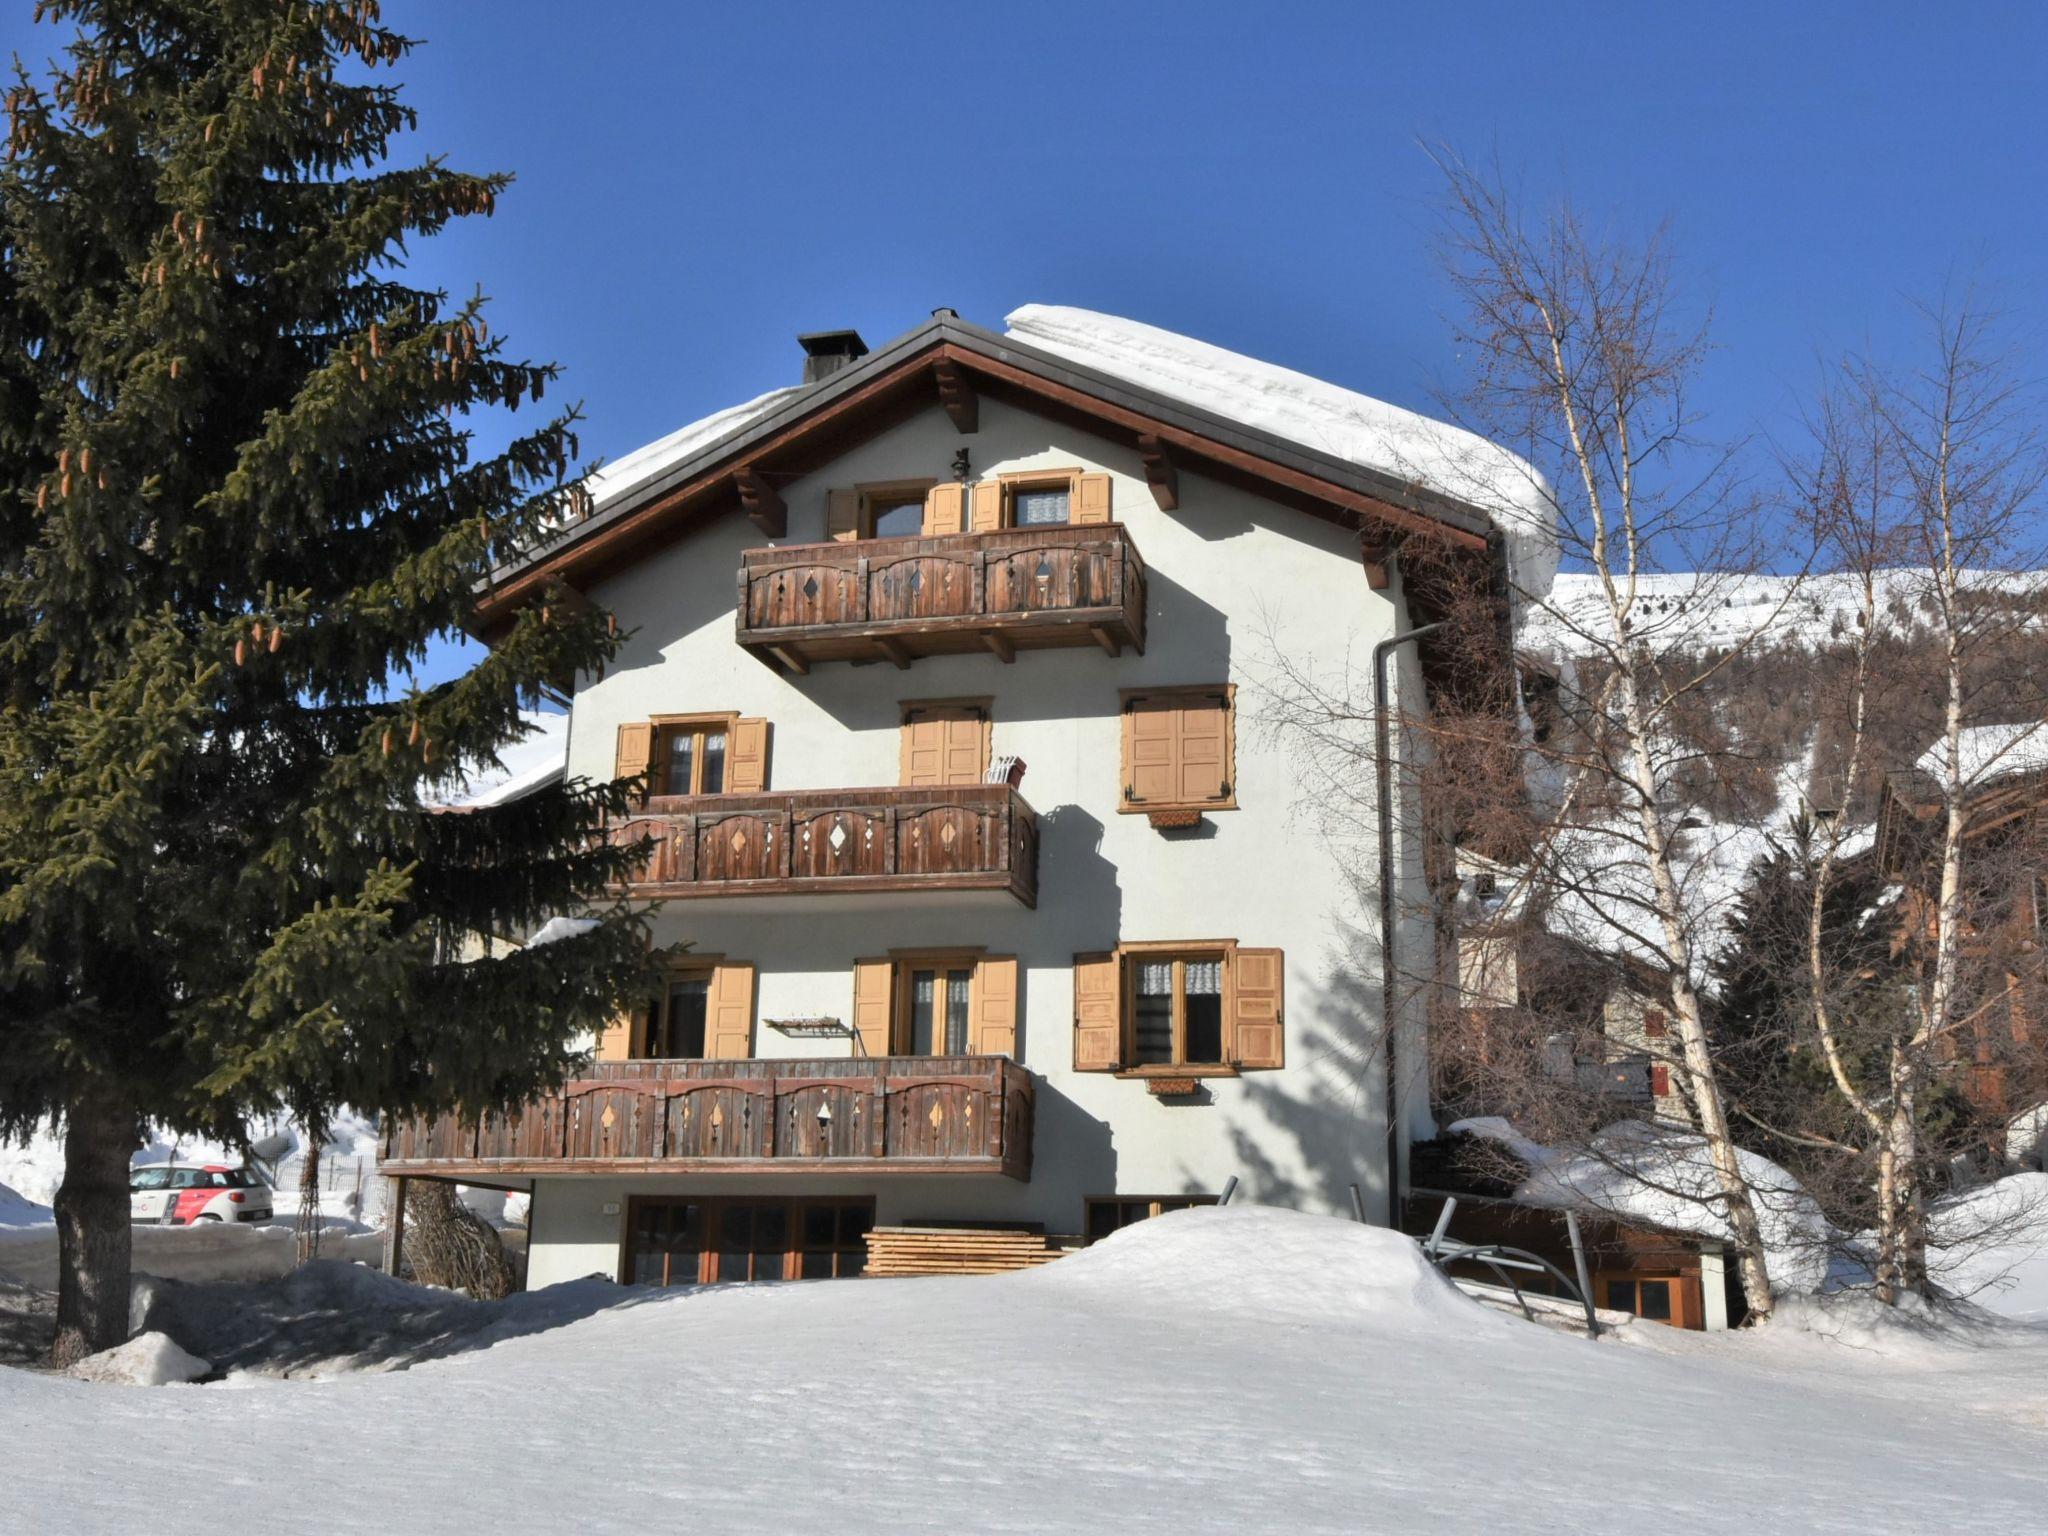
<point x="1331" y="1102"/>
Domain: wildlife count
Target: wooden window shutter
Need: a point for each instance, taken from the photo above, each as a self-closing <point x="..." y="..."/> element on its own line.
<point x="842" y="515"/>
<point x="1204" y="753"/>
<point x="1092" y="499"/>
<point x="1098" y="1013"/>
<point x="1257" y="1030"/>
<point x="988" y="506"/>
<point x="945" y="744"/>
<point x="621" y="1039"/>
<point x="1151" y="751"/>
<point x="945" y="509"/>
<point x="746" y="758"/>
<point x="636" y="749"/>
<point x="730" y="1036"/>
<point x="994" y="1028"/>
<point x="872" y="1014"/>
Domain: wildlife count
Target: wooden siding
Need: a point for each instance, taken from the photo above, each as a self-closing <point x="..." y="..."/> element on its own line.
<point x="897" y="599"/>
<point x="976" y="837"/>
<point x="915" y="1114"/>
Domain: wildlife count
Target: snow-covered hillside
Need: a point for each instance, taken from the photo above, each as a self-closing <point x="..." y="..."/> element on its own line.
<point x="1233" y="1370"/>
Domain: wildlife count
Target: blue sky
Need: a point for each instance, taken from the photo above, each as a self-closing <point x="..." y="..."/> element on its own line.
<point x="698" y="183"/>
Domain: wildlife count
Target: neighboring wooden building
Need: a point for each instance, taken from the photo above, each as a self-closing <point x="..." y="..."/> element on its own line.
<point x="985" y="896"/>
<point x="1998" y="1044"/>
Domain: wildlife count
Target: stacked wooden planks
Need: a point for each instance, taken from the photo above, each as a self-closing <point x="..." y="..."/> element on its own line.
<point x="955" y="1251"/>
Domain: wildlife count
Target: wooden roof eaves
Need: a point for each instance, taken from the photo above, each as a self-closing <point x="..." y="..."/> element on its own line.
<point x="893" y="368"/>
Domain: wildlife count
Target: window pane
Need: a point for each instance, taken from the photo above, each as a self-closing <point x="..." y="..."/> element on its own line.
<point x="714" y="762"/>
<point x="1154" y="1021"/>
<point x="735" y="1231"/>
<point x="818" y="1226"/>
<point x="854" y="1221"/>
<point x="689" y="1003"/>
<point x="956" y="1013"/>
<point x="682" y="752"/>
<point x="923" y="991"/>
<point x="899" y="517"/>
<point x="1621" y="1295"/>
<point x="1656" y="1300"/>
<point x="1039" y="508"/>
<point x="817" y="1264"/>
<point x="771" y="1237"/>
<point x="1101" y="1219"/>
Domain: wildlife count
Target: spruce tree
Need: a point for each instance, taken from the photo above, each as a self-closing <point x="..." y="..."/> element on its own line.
<point x="239" y="494"/>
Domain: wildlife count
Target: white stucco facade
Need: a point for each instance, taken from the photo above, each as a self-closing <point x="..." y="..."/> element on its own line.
<point x="1234" y="582"/>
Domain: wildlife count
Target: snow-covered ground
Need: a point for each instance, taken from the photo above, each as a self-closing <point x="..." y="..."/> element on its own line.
<point x="1229" y="1370"/>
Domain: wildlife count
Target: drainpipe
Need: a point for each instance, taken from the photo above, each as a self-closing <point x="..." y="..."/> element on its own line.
<point x="1383" y="759"/>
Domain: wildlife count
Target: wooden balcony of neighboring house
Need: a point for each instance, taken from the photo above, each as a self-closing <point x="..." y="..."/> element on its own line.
<point x="898" y="599"/>
<point x="892" y="1114"/>
<point x="964" y="837"/>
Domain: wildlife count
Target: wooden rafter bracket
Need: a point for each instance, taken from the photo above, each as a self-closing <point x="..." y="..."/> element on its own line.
<point x="956" y="394"/>
<point x="1160" y="472"/>
<point x="762" y="502"/>
<point x="1376" y="548"/>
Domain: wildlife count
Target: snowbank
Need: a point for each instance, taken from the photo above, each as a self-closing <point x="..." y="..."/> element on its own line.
<point x="147" y="1360"/>
<point x="1316" y="414"/>
<point x="1991" y="1246"/>
<point x="1191" y="1378"/>
<point x="17" y="1213"/>
<point x="1239" y="1258"/>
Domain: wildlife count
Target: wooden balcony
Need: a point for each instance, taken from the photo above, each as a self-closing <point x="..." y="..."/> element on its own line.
<point x="898" y="599"/>
<point x="969" y="837"/>
<point x="892" y="1114"/>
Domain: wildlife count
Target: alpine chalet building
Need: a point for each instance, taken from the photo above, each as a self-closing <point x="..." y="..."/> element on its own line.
<point x="991" y="903"/>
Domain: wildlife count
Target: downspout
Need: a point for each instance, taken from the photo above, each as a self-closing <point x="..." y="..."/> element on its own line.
<point x="1383" y="758"/>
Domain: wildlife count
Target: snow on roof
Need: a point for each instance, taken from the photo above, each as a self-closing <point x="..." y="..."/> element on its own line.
<point x="1636" y="1172"/>
<point x="619" y="479"/>
<point x="1316" y="414"/>
<point x="1988" y="753"/>
<point x="537" y="759"/>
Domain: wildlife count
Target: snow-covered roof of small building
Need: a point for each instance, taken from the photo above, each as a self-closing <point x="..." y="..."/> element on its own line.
<point x="1987" y="753"/>
<point x="536" y="760"/>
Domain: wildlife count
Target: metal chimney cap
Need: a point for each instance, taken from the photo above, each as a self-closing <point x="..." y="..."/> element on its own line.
<point x="832" y="344"/>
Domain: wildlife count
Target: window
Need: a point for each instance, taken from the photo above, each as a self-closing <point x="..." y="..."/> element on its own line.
<point x="691" y="760"/>
<point x="677" y="1021"/>
<point x="702" y="754"/>
<point x="149" y="1178"/>
<point x="898" y="516"/>
<point x="1041" y="506"/>
<point x="1112" y="1213"/>
<point x="1179" y="749"/>
<point x="1177" y="1011"/>
<point x="704" y="1012"/>
<point x="946" y="741"/>
<point x="936" y="1003"/>
<point x="890" y="510"/>
<point x="705" y="1241"/>
<point x="1164" y="1009"/>
<point x="1668" y="1298"/>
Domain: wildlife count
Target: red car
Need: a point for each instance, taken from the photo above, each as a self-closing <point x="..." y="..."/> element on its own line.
<point x="179" y="1194"/>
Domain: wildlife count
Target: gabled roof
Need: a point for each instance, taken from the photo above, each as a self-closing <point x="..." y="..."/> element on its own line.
<point x="744" y="455"/>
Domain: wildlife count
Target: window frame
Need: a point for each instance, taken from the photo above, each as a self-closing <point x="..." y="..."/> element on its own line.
<point x="699" y="970"/>
<point x="1066" y="478"/>
<point x="700" y="725"/>
<point x="1126" y="803"/>
<point x="1224" y="953"/>
<point x="903" y="966"/>
<point x="871" y="493"/>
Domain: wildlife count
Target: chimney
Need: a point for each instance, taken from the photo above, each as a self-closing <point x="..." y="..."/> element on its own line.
<point x="826" y="352"/>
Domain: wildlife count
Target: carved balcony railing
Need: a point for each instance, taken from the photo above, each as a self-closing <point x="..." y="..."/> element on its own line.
<point x="891" y="1114"/>
<point x="967" y="837"/>
<point x="899" y="599"/>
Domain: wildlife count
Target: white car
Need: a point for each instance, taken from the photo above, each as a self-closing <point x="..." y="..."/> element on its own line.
<point x="179" y="1194"/>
